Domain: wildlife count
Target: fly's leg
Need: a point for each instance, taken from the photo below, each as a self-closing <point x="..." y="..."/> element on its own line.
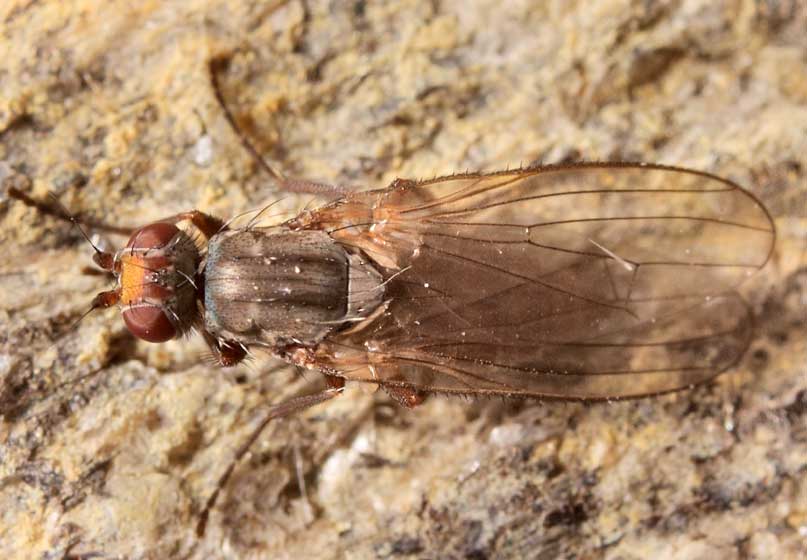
<point x="291" y="406"/>
<point x="302" y="186"/>
<point x="405" y="396"/>
<point x="207" y="224"/>
<point x="56" y="210"/>
<point x="402" y="184"/>
<point x="226" y="353"/>
<point x="334" y="381"/>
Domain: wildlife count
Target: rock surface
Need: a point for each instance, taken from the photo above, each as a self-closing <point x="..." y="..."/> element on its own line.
<point x="112" y="447"/>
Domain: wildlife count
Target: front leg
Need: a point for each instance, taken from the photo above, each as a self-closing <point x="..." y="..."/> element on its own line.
<point x="226" y="353"/>
<point x="207" y="224"/>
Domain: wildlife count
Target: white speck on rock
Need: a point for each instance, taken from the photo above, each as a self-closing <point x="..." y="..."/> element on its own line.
<point x="203" y="151"/>
<point x="506" y="435"/>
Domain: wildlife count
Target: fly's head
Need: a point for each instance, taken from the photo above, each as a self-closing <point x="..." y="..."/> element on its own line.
<point x="157" y="284"/>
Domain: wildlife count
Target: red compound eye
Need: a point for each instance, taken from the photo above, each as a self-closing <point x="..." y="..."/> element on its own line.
<point x="149" y="323"/>
<point x="153" y="236"/>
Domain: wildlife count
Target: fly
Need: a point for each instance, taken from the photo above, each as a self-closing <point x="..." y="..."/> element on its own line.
<point x="592" y="281"/>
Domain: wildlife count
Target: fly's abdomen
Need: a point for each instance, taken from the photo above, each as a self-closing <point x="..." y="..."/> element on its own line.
<point x="274" y="287"/>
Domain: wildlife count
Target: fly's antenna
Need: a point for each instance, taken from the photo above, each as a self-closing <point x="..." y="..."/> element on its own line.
<point x="99" y="254"/>
<point x="97" y="303"/>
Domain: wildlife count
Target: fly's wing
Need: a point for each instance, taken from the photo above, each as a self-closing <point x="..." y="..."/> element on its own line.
<point x="578" y="282"/>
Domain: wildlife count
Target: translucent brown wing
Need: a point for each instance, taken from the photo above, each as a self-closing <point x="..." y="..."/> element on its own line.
<point x="593" y="281"/>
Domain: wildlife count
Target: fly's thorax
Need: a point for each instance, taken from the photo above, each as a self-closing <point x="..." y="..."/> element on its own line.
<point x="276" y="287"/>
<point x="156" y="271"/>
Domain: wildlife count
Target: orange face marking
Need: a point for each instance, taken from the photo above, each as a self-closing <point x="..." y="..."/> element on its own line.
<point x="132" y="278"/>
<point x="136" y="280"/>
